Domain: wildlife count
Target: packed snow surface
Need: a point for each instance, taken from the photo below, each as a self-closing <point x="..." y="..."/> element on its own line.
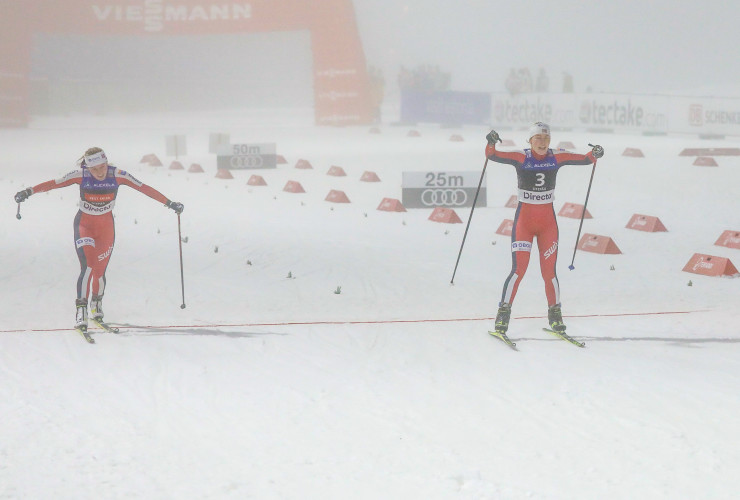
<point x="366" y="374"/>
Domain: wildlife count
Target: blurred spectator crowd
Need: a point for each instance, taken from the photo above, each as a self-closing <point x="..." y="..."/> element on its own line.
<point x="520" y="81"/>
<point x="425" y="77"/>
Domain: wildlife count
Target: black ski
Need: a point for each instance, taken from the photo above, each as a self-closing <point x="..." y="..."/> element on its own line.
<point x="82" y="330"/>
<point x="565" y="337"/>
<point x="503" y="338"/>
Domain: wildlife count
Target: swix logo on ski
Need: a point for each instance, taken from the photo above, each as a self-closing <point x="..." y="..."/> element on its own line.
<point x="521" y="246"/>
<point x="551" y="251"/>
<point x="155" y="13"/>
<point x="86" y="241"/>
<point x="105" y="254"/>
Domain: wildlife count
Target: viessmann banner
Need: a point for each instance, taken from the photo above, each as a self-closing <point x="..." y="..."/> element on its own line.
<point x="341" y="84"/>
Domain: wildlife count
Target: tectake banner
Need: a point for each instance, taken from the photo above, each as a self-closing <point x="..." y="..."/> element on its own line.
<point x="624" y="112"/>
<point x="446" y="107"/>
<point x="558" y="110"/>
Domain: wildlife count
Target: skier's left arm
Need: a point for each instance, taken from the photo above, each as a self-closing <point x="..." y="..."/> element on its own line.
<point x="568" y="158"/>
<point x="125" y="179"/>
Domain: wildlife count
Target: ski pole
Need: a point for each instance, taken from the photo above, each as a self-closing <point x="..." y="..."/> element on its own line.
<point x="18" y="213"/>
<point x="588" y="192"/>
<point x="182" y="276"/>
<point x="470" y="217"/>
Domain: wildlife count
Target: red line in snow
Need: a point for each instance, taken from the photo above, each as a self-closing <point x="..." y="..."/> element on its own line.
<point x="365" y="322"/>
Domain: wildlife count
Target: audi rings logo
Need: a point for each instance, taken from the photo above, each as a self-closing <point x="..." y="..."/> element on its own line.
<point x="246" y="161"/>
<point x="444" y="197"/>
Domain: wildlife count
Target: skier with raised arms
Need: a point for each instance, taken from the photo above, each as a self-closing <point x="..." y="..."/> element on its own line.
<point x="94" y="230"/>
<point x="536" y="169"/>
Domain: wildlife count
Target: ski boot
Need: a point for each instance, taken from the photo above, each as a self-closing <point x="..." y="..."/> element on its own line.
<point x="502" y="317"/>
<point x="81" y="320"/>
<point x="502" y="324"/>
<point x="96" y="308"/>
<point x="555" y="318"/>
<point x="96" y="311"/>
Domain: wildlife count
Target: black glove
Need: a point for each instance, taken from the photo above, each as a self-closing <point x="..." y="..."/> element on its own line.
<point x="493" y="137"/>
<point x="597" y="151"/>
<point x="22" y="196"/>
<point x="176" y="206"/>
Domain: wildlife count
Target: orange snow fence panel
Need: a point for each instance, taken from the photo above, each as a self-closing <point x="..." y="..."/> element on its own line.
<point x="176" y="165"/>
<point x="280" y="160"/>
<point x="303" y="164"/>
<point x="256" y="180"/>
<point x="391" y="205"/>
<point x="413" y="133"/>
<point x="513" y="202"/>
<point x="293" y="187"/>
<point x="574" y="211"/>
<point x="705" y="161"/>
<point x="709" y="265"/>
<point x="151" y="160"/>
<point x="506" y="227"/>
<point x="335" y="196"/>
<point x="633" y="152"/>
<point x="224" y="173"/>
<point x="598" y="244"/>
<point x="195" y="168"/>
<point x="446" y="215"/>
<point x="336" y="171"/>
<point x="730" y="239"/>
<point x="645" y="223"/>
<point x="456" y="138"/>
<point x="368" y="176"/>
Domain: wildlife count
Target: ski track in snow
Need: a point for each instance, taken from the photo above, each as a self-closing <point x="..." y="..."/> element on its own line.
<point x="261" y="408"/>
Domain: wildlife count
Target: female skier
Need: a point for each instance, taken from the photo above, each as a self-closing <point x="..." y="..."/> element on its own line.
<point x="536" y="170"/>
<point x="94" y="231"/>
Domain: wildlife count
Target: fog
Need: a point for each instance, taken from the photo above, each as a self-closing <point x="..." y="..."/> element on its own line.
<point x="625" y="46"/>
<point x="631" y="47"/>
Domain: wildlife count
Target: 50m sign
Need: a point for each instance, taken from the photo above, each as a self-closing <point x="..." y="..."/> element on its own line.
<point x="246" y="156"/>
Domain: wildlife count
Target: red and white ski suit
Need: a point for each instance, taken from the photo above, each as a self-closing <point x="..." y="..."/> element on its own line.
<point x="94" y="229"/>
<point x="535" y="214"/>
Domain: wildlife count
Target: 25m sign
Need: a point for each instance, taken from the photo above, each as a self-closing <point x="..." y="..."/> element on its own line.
<point x="246" y="156"/>
<point x="442" y="189"/>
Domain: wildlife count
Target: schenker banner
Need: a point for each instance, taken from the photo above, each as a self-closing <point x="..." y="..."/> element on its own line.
<point x="442" y="189"/>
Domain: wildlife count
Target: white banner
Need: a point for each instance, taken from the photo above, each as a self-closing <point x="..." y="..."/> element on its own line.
<point x="619" y="112"/>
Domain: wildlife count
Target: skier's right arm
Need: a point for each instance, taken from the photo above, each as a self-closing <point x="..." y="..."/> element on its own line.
<point x="508" y="157"/>
<point x="74" y="177"/>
